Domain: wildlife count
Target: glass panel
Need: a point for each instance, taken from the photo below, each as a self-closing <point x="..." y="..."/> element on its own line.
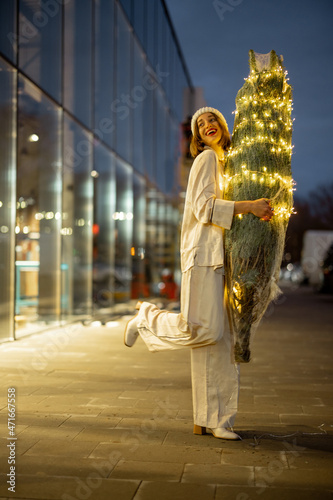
<point x="104" y="70"/>
<point x="173" y="155"/>
<point x="124" y="231"/>
<point x="123" y="103"/>
<point x="139" y="94"/>
<point x="180" y="85"/>
<point x="127" y="7"/>
<point x="151" y="237"/>
<point x="139" y="17"/>
<point x="7" y="198"/>
<point x="105" y="283"/>
<point x="161" y="136"/>
<point x="40" y="43"/>
<point x="39" y="189"/>
<point x="78" y="54"/>
<point x="140" y="267"/>
<point x="150" y="31"/>
<point x="8" y="35"/>
<point x="148" y="129"/>
<point x="161" y="21"/>
<point x="168" y="62"/>
<point x="77" y="220"/>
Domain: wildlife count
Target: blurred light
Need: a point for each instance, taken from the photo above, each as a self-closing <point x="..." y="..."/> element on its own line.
<point x="94" y="173"/>
<point x="33" y="138"/>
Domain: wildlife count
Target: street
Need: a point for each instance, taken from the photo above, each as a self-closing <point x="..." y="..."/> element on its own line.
<point x="89" y="418"/>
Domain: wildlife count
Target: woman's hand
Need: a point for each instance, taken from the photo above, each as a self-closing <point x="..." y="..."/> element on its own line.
<point x="262" y="209"/>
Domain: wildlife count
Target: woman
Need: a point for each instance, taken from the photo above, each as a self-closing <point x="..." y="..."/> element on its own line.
<point x="202" y="324"/>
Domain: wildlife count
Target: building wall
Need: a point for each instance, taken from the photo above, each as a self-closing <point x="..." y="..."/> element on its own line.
<point x="91" y="103"/>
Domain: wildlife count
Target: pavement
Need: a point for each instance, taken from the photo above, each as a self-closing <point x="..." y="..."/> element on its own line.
<point x="96" y="420"/>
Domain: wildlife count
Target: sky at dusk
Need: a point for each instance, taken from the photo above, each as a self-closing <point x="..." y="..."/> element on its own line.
<point x="215" y="42"/>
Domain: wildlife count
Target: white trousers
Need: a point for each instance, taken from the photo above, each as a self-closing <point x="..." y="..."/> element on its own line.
<point x="202" y="326"/>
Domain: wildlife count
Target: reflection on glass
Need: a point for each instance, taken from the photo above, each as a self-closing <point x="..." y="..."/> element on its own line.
<point x="139" y="14"/>
<point x="151" y="39"/>
<point x="77" y="59"/>
<point x="123" y="103"/>
<point x="40" y="43"/>
<point x="148" y="133"/>
<point x="141" y="277"/>
<point x="139" y="102"/>
<point x="38" y="220"/>
<point x="106" y="284"/>
<point x="77" y="220"/>
<point x="8" y="35"/>
<point x="161" y="152"/>
<point x="105" y="122"/>
<point x="7" y="198"/>
<point x="123" y="217"/>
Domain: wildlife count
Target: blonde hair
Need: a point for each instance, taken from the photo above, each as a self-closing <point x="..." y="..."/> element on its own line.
<point x="197" y="144"/>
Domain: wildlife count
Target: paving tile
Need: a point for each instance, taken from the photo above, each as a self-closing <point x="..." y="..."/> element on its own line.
<point x="172" y="406"/>
<point x="135" y="450"/>
<point x="129" y="412"/>
<point x="44" y="466"/>
<point x="313" y="421"/>
<point x="257" y="419"/>
<point x="23" y="444"/>
<point x="278" y="475"/>
<point x="144" y="435"/>
<point x="158" y="471"/>
<point x="322" y="410"/>
<point x="218" y="474"/>
<point x="269" y="493"/>
<point x="309" y="459"/>
<point x="47" y="419"/>
<point x="84" y="421"/>
<point x="51" y="447"/>
<point x="253" y="456"/>
<point x="41" y="432"/>
<point x="149" y="490"/>
<point x="263" y="408"/>
<point x="54" y="488"/>
<point x="165" y="424"/>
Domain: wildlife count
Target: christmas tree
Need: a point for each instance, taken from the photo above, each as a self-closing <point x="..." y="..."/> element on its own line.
<point x="258" y="166"/>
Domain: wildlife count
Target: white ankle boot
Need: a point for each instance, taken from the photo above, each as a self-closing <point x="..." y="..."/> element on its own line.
<point x="218" y="432"/>
<point x="222" y="433"/>
<point x="131" y="331"/>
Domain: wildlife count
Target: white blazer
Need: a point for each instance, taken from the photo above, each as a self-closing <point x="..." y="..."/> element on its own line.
<point x="206" y="214"/>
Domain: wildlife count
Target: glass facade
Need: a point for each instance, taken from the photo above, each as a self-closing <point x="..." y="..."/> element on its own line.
<point x="91" y="104"/>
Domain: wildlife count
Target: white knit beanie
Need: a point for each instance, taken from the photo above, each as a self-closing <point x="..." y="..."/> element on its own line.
<point x="201" y="111"/>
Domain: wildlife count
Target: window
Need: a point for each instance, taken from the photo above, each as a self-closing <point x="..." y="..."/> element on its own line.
<point x="38" y="216"/>
<point x="7" y="197"/>
<point x="105" y="122"/>
<point x="8" y="35"/>
<point x="40" y="44"/>
<point x="77" y="59"/>
<point x="77" y="221"/>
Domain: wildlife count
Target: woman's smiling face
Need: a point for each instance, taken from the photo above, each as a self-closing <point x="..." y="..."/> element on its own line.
<point x="209" y="129"/>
